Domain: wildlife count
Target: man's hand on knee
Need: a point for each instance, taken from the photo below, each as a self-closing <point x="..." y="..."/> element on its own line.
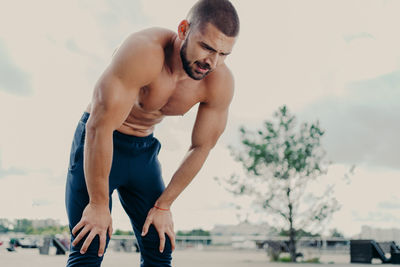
<point x="96" y="220"/>
<point x="162" y="221"/>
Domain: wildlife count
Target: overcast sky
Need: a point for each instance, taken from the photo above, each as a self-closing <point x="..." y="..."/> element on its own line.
<point x="333" y="61"/>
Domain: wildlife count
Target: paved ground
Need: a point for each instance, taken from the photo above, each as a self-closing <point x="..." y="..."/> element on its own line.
<point x="182" y="258"/>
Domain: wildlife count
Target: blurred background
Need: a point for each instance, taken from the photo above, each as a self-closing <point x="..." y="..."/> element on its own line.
<point x="335" y="62"/>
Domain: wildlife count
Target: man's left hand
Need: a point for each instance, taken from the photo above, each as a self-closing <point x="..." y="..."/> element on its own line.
<point x="162" y="221"/>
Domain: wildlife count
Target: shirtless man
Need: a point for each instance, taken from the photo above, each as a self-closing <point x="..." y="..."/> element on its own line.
<point x="155" y="73"/>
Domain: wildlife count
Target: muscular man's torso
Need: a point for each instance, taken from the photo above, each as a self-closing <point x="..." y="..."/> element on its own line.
<point x="155" y="102"/>
<point x="162" y="97"/>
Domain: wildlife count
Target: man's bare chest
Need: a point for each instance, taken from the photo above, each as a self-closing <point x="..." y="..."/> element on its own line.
<point x="170" y="98"/>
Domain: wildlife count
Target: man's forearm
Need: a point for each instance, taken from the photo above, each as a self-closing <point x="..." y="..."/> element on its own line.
<point x="188" y="169"/>
<point x="97" y="164"/>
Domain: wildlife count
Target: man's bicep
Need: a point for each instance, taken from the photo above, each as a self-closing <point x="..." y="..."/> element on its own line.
<point x="212" y="115"/>
<point x="133" y="66"/>
<point x="209" y="125"/>
<point x="112" y="101"/>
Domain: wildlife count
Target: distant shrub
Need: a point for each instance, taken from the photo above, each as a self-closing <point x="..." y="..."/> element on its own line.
<point x="122" y="232"/>
<point x="312" y="260"/>
<point x="285" y="259"/>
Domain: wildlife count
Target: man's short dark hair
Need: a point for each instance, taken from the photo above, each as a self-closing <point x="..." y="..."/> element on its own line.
<point x="220" y="13"/>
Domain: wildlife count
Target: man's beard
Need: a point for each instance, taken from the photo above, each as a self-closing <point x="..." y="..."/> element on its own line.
<point x="186" y="65"/>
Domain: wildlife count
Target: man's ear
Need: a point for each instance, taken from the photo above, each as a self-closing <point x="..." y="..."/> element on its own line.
<point x="183" y="29"/>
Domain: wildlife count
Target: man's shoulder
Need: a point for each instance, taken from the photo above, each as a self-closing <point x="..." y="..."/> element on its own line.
<point x="220" y="85"/>
<point x="148" y="41"/>
<point x="221" y="75"/>
<point x="142" y="52"/>
<point x="155" y="35"/>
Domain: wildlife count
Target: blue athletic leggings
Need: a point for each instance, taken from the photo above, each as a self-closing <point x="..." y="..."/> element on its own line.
<point x="136" y="175"/>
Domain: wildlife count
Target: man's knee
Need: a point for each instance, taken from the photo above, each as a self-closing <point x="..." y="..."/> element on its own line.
<point x="150" y="252"/>
<point x="90" y="257"/>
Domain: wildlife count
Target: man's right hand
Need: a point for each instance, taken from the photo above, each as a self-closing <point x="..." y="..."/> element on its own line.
<point x="96" y="219"/>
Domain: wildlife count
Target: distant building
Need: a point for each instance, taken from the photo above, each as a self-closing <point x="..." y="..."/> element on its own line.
<point x="241" y="229"/>
<point x="240" y="233"/>
<point x="378" y="234"/>
<point x="40" y="223"/>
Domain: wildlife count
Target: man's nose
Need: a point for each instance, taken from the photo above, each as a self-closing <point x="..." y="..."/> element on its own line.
<point x="213" y="60"/>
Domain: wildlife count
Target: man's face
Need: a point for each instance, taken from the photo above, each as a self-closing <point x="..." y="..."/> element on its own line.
<point x="203" y="51"/>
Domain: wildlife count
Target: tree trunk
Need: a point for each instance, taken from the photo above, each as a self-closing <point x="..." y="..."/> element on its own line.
<point x="292" y="245"/>
<point x="292" y="234"/>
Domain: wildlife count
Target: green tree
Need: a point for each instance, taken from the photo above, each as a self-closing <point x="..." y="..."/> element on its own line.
<point x="4" y="225"/>
<point x="3" y="229"/>
<point x="336" y="233"/>
<point x="122" y="232"/>
<point x="26" y="226"/>
<point x="48" y="230"/>
<point x="194" y="232"/>
<point x="23" y="225"/>
<point x="279" y="161"/>
<point x="299" y="233"/>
